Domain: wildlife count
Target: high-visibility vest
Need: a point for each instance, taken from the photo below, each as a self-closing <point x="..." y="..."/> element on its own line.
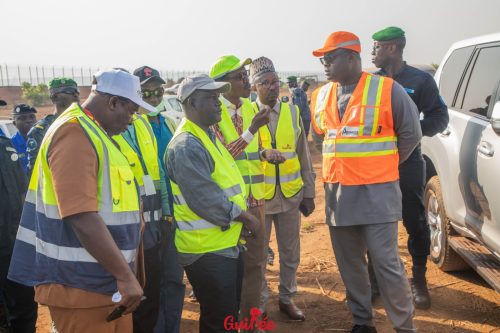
<point x="47" y="249"/>
<point x="286" y="174"/>
<point x="145" y="164"/>
<point x="362" y="147"/>
<point x="248" y="161"/>
<point x="195" y="234"/>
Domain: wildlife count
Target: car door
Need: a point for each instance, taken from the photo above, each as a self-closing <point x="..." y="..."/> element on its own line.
<point x="480" y="147"/>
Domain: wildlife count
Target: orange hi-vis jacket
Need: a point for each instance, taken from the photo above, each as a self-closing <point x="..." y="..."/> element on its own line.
<point x="361" y="148"/>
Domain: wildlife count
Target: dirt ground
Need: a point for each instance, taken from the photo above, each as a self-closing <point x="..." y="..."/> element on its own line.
<point x="461" y="302"/>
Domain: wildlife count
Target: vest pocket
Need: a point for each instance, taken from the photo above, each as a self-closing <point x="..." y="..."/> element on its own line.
<point x="123" y="189"/>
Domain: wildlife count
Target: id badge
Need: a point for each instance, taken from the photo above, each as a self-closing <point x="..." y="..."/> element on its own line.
<point x="149" y="185"/>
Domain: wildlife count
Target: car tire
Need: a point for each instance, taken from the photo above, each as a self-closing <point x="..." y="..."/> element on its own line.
<point x="441" y="252"/>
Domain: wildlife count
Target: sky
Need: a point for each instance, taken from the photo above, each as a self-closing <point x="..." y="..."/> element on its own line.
<point x="192" y="34"/>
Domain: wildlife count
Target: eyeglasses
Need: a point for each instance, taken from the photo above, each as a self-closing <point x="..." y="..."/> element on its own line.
<point x="157" y="92"/>
<point x="328" y="59"/>
<point x="268" y="84"/>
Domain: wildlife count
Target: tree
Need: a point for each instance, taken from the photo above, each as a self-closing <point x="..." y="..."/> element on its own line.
<point x="35" y="95"/>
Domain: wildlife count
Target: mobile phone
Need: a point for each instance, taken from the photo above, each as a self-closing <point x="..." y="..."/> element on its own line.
<point x="116" y="313"/>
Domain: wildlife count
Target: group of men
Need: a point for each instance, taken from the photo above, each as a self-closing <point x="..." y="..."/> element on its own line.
<point x="120" y="203"/>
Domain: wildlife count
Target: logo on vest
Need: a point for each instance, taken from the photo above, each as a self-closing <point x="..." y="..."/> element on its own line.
<point x="350" y="131"/>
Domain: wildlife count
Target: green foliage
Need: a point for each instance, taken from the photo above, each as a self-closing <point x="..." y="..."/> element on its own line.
<point x="35" y="95"/>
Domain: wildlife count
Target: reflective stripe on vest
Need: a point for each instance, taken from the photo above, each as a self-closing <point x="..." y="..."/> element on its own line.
<point x="248" y="161"/>
<point x="47" y="249"/>
<point x="366" y="132"/>
<point x="195" y="234"/>
<point x="290" y="179"/>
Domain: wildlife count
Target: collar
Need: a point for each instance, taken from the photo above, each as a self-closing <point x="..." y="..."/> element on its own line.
<point x="276" y="108"/>
<point x="384" y="73"/>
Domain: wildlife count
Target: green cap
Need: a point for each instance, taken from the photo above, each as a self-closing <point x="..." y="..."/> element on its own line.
<point x="388" y="33"/>
<point x="62" y="84"/>
<point x="291" y="79"/>
<point x="227" y="64"/>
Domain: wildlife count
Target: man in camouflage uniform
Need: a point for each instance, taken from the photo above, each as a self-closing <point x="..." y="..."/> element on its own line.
<point x="63" y="92"/>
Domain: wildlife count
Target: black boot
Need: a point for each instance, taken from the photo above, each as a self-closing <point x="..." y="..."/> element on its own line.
<point x="363" y="329"/>
<point x="421" y="296"/>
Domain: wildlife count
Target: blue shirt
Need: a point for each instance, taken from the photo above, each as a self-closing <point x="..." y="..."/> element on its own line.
<point x="163" y="136"/>
<point x="19" y="144"/>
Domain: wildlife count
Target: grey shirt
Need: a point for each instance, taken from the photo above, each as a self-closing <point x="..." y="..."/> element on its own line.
<point x="190" y="166"/>
<point x="348" y="205"/>
<point x="280" y="204"/>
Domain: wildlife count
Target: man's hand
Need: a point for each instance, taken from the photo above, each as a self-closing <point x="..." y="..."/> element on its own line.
<point x="131" y="293"/>
<point x="250" y="223"/>
<point x="260" y="119"/>
<point x="307" y="206"/>
<point x="273" y="156"/>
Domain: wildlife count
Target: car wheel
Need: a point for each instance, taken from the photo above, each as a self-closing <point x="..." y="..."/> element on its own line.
<point x="441" y="252"/>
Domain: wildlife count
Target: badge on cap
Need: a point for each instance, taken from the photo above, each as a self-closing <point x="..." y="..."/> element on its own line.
<point x="18" y="109"/>
<point x="147" y="71"/>
<point x="14" y="157"/>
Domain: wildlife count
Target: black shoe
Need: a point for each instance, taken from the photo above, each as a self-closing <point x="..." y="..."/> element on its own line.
<point x="363" y="329"/>
<point x="421" y="296"/>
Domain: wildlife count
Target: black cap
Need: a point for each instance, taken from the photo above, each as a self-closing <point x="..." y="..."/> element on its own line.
<point x="146" y="73"/>
<point x="20" y="109"/>
<point x="2" y="102"/>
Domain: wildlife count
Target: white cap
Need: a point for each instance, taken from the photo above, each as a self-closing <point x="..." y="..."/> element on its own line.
<point x="120" y="83"/>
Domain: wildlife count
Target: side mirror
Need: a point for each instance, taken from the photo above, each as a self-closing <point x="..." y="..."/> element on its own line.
<point x="495" y="117"/>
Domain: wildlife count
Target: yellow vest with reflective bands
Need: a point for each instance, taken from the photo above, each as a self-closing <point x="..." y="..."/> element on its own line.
<point x="149" y="165"/>
<point x="286" y="174"/>
<point x="194" y="234"/>
<point x="51" y="252"/>
<point x="248" y="162"/>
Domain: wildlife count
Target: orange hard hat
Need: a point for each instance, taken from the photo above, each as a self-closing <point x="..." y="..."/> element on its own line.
<point x="339" y="40"/>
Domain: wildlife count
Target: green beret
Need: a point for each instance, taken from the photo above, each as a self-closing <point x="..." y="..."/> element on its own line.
<point x="291" y="79"/>
<point x="388" y="33"/>
<point x="62" y="84"/>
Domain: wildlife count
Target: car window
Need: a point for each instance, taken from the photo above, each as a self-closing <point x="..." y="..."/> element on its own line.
<point x="174" y="103"/>
<point x="452" y="72"/>
<point x="483" y="80"/>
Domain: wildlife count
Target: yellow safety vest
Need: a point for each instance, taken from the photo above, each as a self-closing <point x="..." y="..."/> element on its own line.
<point x="248" y="162"/>
<point x="194" y="234"/>
<point x="286" y="174"/>
<point x="145" y="164"/>
<point x="48" y="250"/>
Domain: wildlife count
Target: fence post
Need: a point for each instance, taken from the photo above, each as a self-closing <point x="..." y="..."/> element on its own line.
<point x="53" y="72"/>
<point x="81" y="75"/>
<point x="31" y="78"/>
<point x="19" y="75"/>
<point x="1" y="74"/>
<point x="72" y="73"/>
<point x="63" y="71"/>
<point x="37" y="77"/>
<point x="7" y="74"/>
<point x="43" y="75"/>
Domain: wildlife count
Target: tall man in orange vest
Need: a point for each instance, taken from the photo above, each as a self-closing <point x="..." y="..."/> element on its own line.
<point x="366" y="125"/>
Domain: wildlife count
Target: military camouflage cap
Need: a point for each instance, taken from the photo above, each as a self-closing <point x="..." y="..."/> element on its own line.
<point x="388" y="33"/>
<point x="62" y="84"/>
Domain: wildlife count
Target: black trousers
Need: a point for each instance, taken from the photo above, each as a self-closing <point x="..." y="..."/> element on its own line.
<point x="412" y="183"/>
<point x="145" y="316"/>
<point x="216" y="282"/>
<point x="19" y="299"/>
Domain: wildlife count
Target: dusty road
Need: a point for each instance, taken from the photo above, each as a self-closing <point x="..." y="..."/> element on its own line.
<point x="462" y="302"/>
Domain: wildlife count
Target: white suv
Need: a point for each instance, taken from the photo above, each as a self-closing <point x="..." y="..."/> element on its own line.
<point x="462" y="197"/>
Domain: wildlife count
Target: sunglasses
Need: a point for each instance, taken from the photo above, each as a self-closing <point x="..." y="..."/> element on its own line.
<point x="157" y="92"/>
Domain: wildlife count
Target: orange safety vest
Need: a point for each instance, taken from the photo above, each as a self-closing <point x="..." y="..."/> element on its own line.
<point x="362" y="147"/>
